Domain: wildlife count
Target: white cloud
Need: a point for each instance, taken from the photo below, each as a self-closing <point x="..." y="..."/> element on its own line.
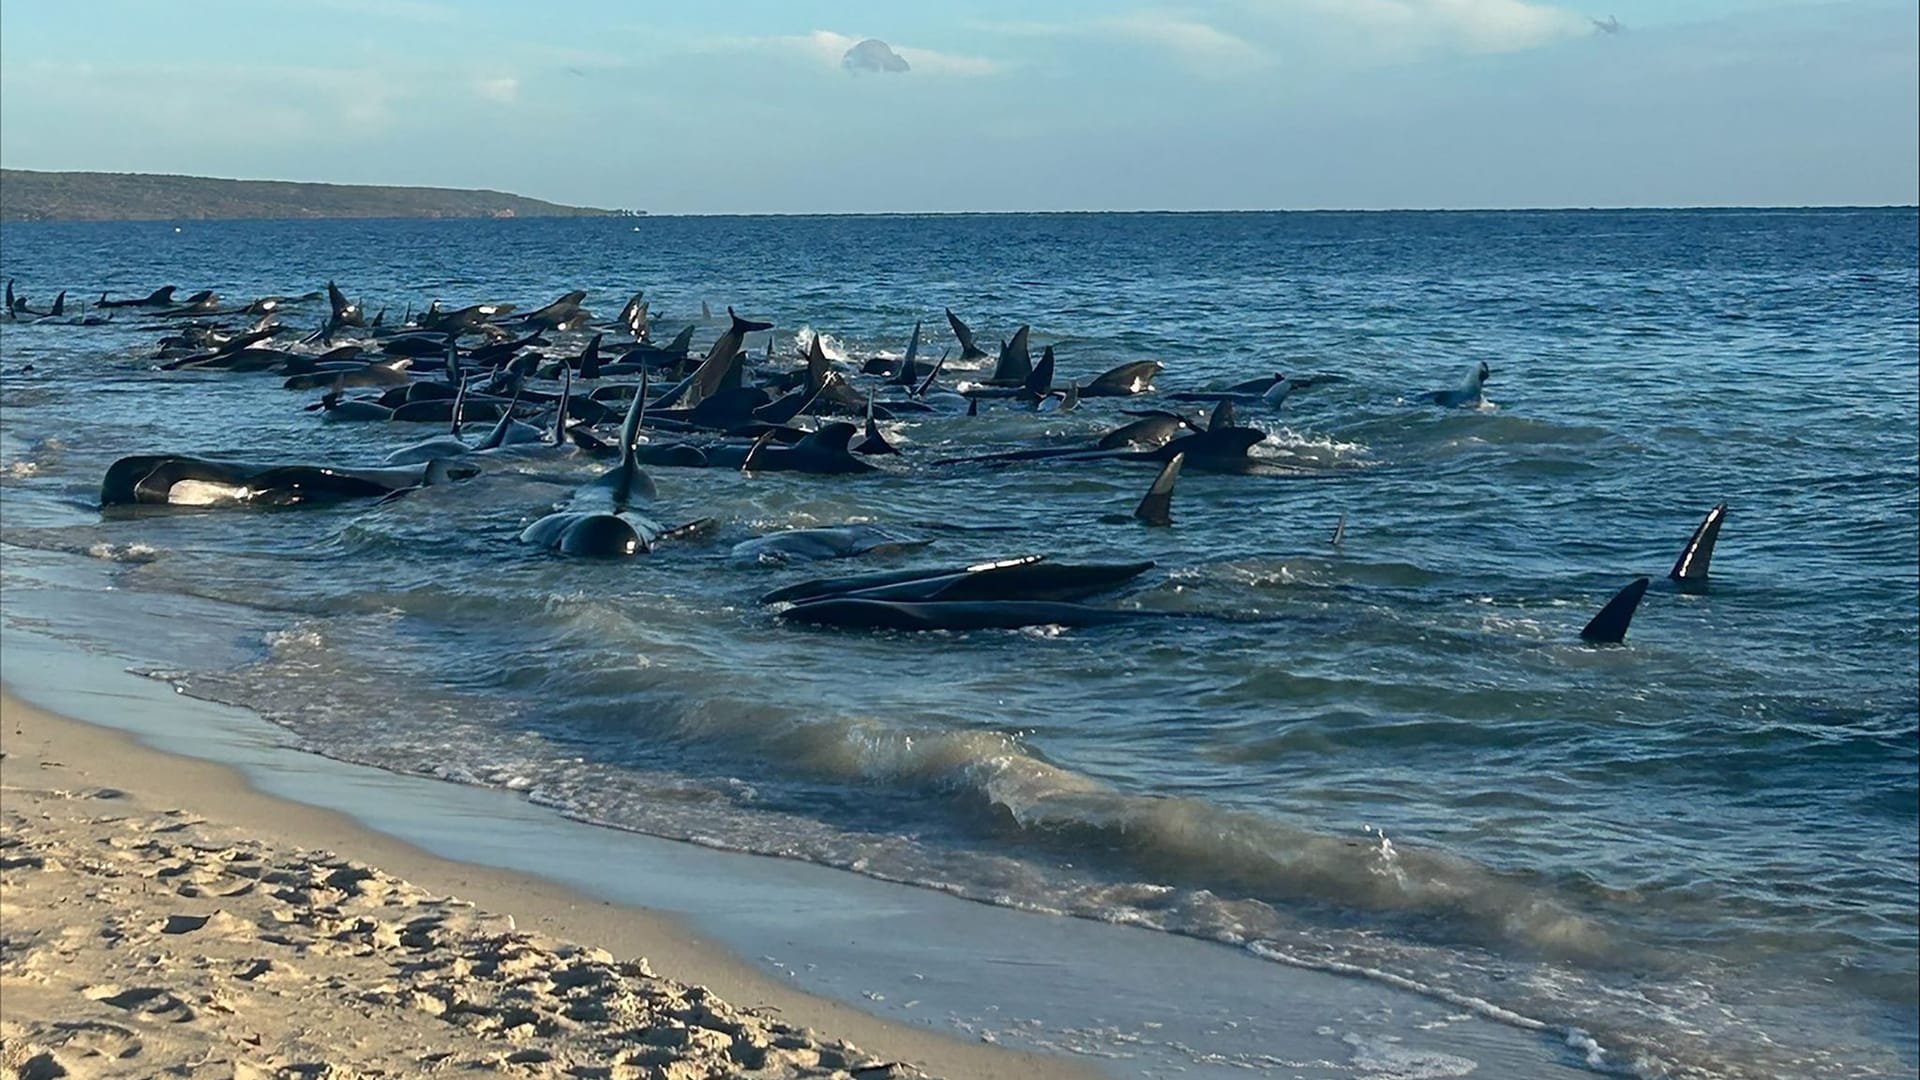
<point x="1188" y="39"/>
<point x="1403" y="26"/>
<point x="939" y="63"/>
<point x="503" y="90"/>
<point x="1181" y="37"/>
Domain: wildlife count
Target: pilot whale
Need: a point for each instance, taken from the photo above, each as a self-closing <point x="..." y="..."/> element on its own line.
<point x="182" y="480"/>
<point x="1468" y="395"/>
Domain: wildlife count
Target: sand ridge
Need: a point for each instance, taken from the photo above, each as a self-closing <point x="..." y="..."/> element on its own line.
<point x="136" y="941"/>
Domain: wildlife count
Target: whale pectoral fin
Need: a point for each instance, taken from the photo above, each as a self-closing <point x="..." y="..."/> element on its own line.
<point x="1609" y="627"/>
<point x="746" y="465"/>
<point x="1157" y="508"/>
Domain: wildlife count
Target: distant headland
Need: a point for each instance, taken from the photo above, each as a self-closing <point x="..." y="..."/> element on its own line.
<point x="28" y="195"/>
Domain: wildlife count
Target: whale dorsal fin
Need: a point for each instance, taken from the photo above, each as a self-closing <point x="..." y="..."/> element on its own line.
<point x="818" y="367"/>
<point x="1015" y="365"/>
<point x="636" y="416"/>
<point x="498" y="436"/>
<point x="1609" y="627"/>
<point x="1697" y="556"/>
<point x="905" y="376"/>
<point x="932" y="375"/>
<point x="681" y="342"/>
<point x="560" y="411"/>
<point x="590" y="359"/>
<point x="1157" y="507"/>
<point x="1039" y="381"/>
<point x="1222" y="417"/>
<point x="1340" y="530"/>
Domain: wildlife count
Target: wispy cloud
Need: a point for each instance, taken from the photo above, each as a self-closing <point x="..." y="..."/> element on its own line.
<point x="1402" y="26"/>
<point x="1187" y="39"/>
<point x="502" y="90"/>
<point x="409" y="10"/>
<point x="1176" y="35"/>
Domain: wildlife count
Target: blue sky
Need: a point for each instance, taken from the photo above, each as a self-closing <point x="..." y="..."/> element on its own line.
<point x="748" y="106"/>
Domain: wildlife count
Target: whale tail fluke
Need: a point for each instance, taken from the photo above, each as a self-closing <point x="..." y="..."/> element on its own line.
<point x="1609" y="627"/>
<point x="964" y="335"/>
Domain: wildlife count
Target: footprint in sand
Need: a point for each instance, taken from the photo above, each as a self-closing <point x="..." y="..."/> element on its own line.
<point x="218" y="924"/>
<point x="151" y="1001"/>
<point x="96" y="1038"/>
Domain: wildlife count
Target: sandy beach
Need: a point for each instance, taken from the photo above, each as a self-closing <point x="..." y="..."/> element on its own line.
<point x="162" y="917"/>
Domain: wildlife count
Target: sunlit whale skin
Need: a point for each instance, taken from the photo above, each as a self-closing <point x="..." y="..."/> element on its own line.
<point x="1262" y="391"/>
<point x="1028" y="577"/>
<point x="389" y="374"/>
<point x="598" y="534"/>
<point x="178" y="479"/>
<point x="1218" y="450"/>
<point x="1689" y="573"/>
<point x="1154" y="429"/>
<point x="1123" y="381"/>
<point x="860" y="614"/>
<point x="826" y="451"/>
<point x="564" y="313"/>
<point x="814" y="545"/>
<point x="718" y="369"/>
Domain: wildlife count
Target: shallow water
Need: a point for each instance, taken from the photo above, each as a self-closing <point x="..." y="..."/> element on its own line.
<point x="1394" y="757"/>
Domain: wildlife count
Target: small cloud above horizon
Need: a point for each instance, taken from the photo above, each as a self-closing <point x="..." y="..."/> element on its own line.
<point x="876" y="56"/>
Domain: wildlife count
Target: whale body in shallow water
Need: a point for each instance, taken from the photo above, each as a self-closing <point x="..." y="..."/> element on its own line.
<point x="834" y="542"/>
<point x="181" y="480"/>
<point x="1470" y="394"/>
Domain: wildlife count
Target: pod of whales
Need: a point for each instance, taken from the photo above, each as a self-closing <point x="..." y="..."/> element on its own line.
<point x="512" y="367"/>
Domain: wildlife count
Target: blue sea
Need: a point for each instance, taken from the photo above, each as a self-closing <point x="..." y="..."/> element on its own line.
<point x="1696" y="854"/>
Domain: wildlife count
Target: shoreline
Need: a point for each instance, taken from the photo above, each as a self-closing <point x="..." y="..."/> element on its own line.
<point x="1090" y="997"/>
<point x="54" y="758"/>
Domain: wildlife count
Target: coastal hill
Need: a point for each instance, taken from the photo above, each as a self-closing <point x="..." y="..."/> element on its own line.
<point x="27" y="195"/>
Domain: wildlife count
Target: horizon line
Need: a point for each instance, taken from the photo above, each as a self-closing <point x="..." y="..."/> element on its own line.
<point x="636" y="215"/>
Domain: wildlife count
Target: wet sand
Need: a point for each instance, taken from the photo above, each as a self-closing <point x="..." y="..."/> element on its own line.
<point x="160" y="915"/>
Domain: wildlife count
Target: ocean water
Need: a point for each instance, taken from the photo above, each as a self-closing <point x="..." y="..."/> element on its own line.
<point x="1694" y="855"/>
